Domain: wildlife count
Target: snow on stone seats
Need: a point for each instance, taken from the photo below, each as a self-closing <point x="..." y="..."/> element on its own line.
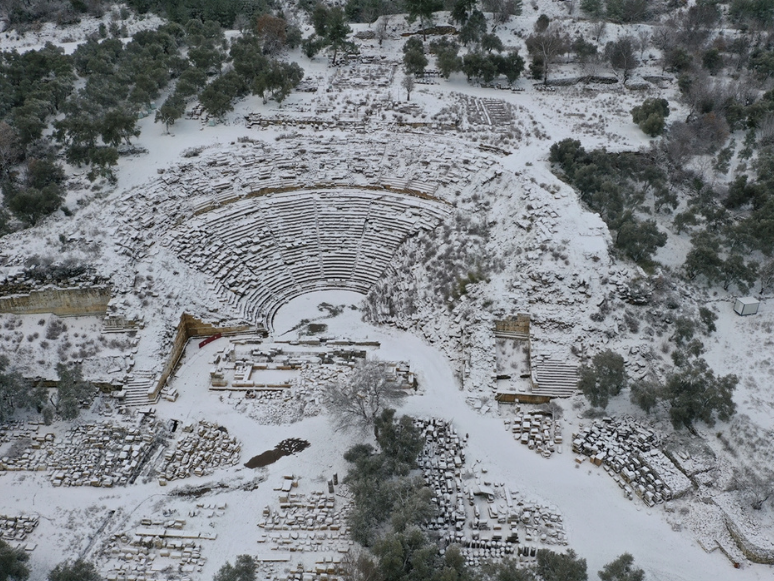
<point x="262" y="251"/>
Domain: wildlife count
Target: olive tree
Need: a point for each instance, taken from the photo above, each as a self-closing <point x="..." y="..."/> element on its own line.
<point x="78" y="570"/>
<point x="12" y="563"/>
<point x="243" y="569"/>
<point x="622" y="569"/>
<point x="545" y="47"/>
<point x="72" y="390"/>
<point x="16" y="392"/>
<point x="621" y="56"/>
<point x="605" y="376"/>
<point x="694" y="393"/>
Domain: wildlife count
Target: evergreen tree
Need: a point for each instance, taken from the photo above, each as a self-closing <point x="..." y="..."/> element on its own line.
<point x="651" y="115"/>
<point x="511" y="65"/>
<point x="605" y="377"/>
<point x="560" y="566"/>
<point x="172" y="110"/>
<point x="71" y="391"/>
<point x="414" y="59"/>
<point x="243" y="570"/>
<point x="16" y="393"/>
<point x="490" y="42"/>
<point x="622" y="569"/>
<point x="30" y="205"/>
<point x="695" y="393"/>
<point x="119" y="125"/>
<point x="594" y="8"/>
<point x="461" y="10"/>
<point x="331" y="30"/>
<point x="78" y="570"/>
<point x="639" y="240"/>
<point x="645" y="395"/>
<point x="422" y="9"/>
<point x="12" y="561"/>
<point x="446" y="58"/>
<point x="474" y="27"/>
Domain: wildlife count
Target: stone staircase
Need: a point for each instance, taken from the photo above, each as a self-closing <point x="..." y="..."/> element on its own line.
<point x="136" y="388"/>
<point x="555" y="379"/>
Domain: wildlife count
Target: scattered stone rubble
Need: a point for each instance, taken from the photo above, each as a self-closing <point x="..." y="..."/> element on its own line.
<point x="276" y="569"/>
<point x="159" y="547"/>
<point x="630" y="453"/>
<point x="286" y="382"/>
<point x="14" y="530"/>
<point x="488" y="520"/>
<point x="18" y="430"/>
<point x="103" y="454"/>
<point x="305" y="522"/>
<point x="537" y="430"/>
<point x="207" y="448"/>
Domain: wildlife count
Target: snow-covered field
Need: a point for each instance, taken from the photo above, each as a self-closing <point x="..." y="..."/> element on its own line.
<point x="165" y="256"/>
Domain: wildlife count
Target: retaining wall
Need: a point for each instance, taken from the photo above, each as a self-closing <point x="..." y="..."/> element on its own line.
<point x="752" y="551"/>
<point x="63" y="302"/>
<point x="188" y="327"/>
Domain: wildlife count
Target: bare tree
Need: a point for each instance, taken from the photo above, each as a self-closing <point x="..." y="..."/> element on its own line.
<point x="665" y="36"/>
<point x="766" y="130"/>
<point x="241" y="22"/>
<point x="408" y="84"/>
<point x="643" y="42"/>
<point x="502" y="10"/>
<point x="10" y="151"/>
<point x="598" y="30"/>
<point x="547" y="46"/>
<point x="358" y="400"/>
<point x="756" y="487"/>
<point x="381" y="28"/>
<point x="621" y="56"/>
<point x="766" y="273"/>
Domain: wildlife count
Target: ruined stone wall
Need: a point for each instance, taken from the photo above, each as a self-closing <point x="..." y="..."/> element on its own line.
<point x="518" y="325"/>
<point x="752" y="551"/>
<point x="63" y="302"/>
<point x="188" y="327"/>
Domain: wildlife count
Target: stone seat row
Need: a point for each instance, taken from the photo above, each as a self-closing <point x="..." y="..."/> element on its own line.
<point x="263" y="250"/>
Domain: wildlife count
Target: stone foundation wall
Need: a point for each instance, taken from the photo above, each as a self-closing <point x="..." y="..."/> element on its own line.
<point x="63" y="302"/>
<point x="188" y="327"/>
<point x="752" y="551"/>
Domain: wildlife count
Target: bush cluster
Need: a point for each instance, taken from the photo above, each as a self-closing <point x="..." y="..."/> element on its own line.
<point x="615" y="186"/>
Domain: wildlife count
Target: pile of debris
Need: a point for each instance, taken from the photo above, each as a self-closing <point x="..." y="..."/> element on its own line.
<point x="441" y="462"/>
<point x="486" y="519"/>
<point x="207" y="448"/>
<point x="630" y="452"/>
<point x="156" y="547"/>
<point x="537" y="430"/>
<point x="17" y="430"/>
<point x="14" y="529"/>
<point x="275" y="568"/>
<point x="102" y="454"/>
<point x="305" y="522"/>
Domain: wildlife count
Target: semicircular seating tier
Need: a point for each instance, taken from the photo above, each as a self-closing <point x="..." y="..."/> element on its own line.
<point x="260" y="252"/>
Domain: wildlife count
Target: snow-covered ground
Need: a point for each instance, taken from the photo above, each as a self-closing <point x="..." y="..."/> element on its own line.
<point x="600" y="522"/>
<point x="553" y="264"/>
